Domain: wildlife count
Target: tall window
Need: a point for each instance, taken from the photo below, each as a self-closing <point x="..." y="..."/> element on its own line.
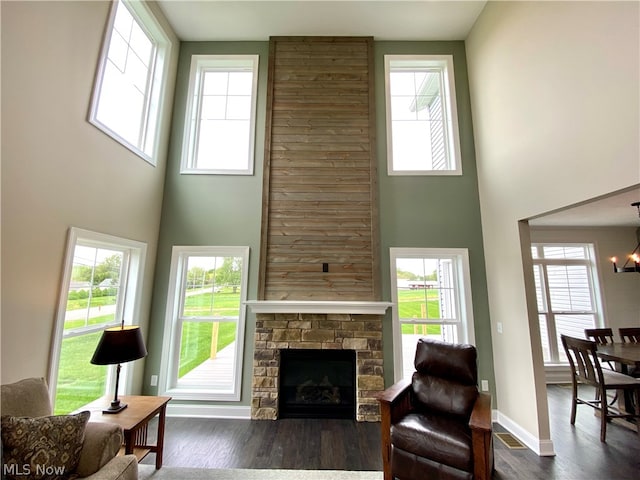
<point x="566" y="294"/>
<point x="204" y="330"/>
<point x="422" y="125"/>
<point x="220" y="117"/>
<point x="432" y="293"/>
<point x="133" y="66"/>
<point x="102" y="277"/>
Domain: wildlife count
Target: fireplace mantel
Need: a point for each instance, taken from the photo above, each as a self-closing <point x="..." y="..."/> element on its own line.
<point x="318" y="306"/>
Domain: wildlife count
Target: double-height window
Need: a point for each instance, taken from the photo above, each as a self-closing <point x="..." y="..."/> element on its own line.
<point x="101" y="287"/>
<point x="422" y="122"/>
<point x="432" y="292"/>
<point x="133" y="69"/>
<point x="204" y="326"/>
<point x="220" y="118"/>
<point x="566" y="292"/>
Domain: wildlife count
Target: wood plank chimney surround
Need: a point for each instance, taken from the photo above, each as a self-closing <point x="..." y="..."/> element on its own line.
<point x="319" y="273"/>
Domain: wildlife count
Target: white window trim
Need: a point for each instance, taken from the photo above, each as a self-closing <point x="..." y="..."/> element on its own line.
<point x="189" y="139"/>
<point x="463" y="280"/>
<point x="450" y="112"/>
<point x="171" y="340"/>
<point x="163" y="51"/>
<point x="130" y="302"/>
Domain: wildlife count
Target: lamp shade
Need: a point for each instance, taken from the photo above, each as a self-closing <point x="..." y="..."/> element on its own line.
<point x="119" y="345"/>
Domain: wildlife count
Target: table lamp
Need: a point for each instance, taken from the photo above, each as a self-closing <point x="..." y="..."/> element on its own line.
<point x="119" y="345"/>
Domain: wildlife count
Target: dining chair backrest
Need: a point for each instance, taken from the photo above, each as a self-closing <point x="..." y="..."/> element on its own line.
<point x="583" y="360"/>
<point x="629" y="334"/>
<point x="601" y="336"/>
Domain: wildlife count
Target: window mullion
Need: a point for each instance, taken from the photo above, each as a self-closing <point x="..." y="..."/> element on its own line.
<point x="144" y="119"/>
<point x="552" y="333"/>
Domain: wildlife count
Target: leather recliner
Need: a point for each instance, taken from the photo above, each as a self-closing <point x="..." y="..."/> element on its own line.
<point x="437" y="425"/>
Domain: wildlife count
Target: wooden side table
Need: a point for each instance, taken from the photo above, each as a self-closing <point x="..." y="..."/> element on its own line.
<point x="134" y="421"/>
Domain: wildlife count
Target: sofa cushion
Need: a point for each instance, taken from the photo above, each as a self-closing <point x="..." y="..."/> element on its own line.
<point x="42" y="447"/>
<point x="26" y="398"/>
<point x="102" y="442"/>
<point x="443" y="439"/>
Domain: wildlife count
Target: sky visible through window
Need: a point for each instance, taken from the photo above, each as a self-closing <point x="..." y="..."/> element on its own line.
<point x="126" y="82"/>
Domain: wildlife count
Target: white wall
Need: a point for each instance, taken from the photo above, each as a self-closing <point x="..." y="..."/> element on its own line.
<point x="59" y="171"/>
<point x="555" y="101"/>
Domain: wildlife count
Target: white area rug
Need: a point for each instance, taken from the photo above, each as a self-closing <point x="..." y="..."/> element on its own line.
<point x="148" y="472"/>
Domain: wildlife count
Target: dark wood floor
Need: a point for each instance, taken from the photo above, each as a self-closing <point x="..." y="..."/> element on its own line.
<point x="347" y="445"/>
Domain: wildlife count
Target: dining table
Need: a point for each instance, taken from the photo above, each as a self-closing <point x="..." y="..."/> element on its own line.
<point x="624" y="355"/>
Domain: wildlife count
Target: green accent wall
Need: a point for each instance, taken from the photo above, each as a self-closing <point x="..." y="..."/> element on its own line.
<point x="223" y="210"/>
<point x="433" y="211"/>
<point x="415" y="211"/>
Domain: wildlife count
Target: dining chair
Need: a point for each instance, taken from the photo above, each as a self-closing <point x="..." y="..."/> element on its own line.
<point x="601" y="336"/>
<point x="629" y="334"/>
<point x="586" y="370"/>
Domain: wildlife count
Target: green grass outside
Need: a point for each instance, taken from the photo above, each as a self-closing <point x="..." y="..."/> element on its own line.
<point x="80" y="382"/>
<point x="195" y="346"/>
<point x="410" y="305"/>
<point x="82" y="303"/>
<point x="223" y="303"/>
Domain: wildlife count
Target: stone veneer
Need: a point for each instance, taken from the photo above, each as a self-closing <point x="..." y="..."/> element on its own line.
<point x="276" y="331"/>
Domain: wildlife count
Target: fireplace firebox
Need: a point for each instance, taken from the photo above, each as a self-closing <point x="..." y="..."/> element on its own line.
<point x="317" y="384"/>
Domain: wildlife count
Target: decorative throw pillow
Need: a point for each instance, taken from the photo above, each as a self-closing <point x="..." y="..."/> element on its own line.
<point x="42" y="447"/>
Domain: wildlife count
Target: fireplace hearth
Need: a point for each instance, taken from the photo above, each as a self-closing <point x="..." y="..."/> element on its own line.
<point x="317" y="383"/>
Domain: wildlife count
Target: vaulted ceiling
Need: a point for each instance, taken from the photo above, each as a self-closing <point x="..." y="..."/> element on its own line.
<point x="243" y="20"/>
<point x="382" y="19"/>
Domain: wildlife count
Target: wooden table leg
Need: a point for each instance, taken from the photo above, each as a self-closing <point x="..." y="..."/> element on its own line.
<point x="129" y="437"/>
<point x="160" y="441"/>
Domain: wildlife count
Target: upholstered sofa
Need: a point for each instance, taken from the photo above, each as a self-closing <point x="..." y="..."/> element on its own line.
<point x="88" y="449"/>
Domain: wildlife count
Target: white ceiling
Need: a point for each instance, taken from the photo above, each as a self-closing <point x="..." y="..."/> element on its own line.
<point x="238" y="20"/>
<point x="383" y="19"/>
<point x="608" y="211"/>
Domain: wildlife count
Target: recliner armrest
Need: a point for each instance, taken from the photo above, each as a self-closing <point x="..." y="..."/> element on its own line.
<point x="482" y="437"/>
<point x="395" y="402"/>
<point x="391" y="394"/>
<point x="481" y="413"/>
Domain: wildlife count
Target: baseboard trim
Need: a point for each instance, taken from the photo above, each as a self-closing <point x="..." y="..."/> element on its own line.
<point x="208" y="411"/>
<point x="557" y="374"/>
<point x="542" y="447"/>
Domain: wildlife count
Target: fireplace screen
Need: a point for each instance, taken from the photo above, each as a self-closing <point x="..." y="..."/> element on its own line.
<point x="317" y="384"/>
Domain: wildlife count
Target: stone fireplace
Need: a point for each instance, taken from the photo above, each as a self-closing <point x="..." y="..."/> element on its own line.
<point x="278" y="328"/>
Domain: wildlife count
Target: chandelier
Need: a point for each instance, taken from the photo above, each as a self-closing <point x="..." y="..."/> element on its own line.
<point x="635" y="254"/>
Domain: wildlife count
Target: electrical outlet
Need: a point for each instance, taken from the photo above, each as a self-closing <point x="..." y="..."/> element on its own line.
<point x="499" y="327"/>
<point x="154" y="380"/>
<point x="484" y="385"/>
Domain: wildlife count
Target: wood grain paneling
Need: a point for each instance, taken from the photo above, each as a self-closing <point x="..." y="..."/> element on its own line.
<point x="320" y="187"/>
